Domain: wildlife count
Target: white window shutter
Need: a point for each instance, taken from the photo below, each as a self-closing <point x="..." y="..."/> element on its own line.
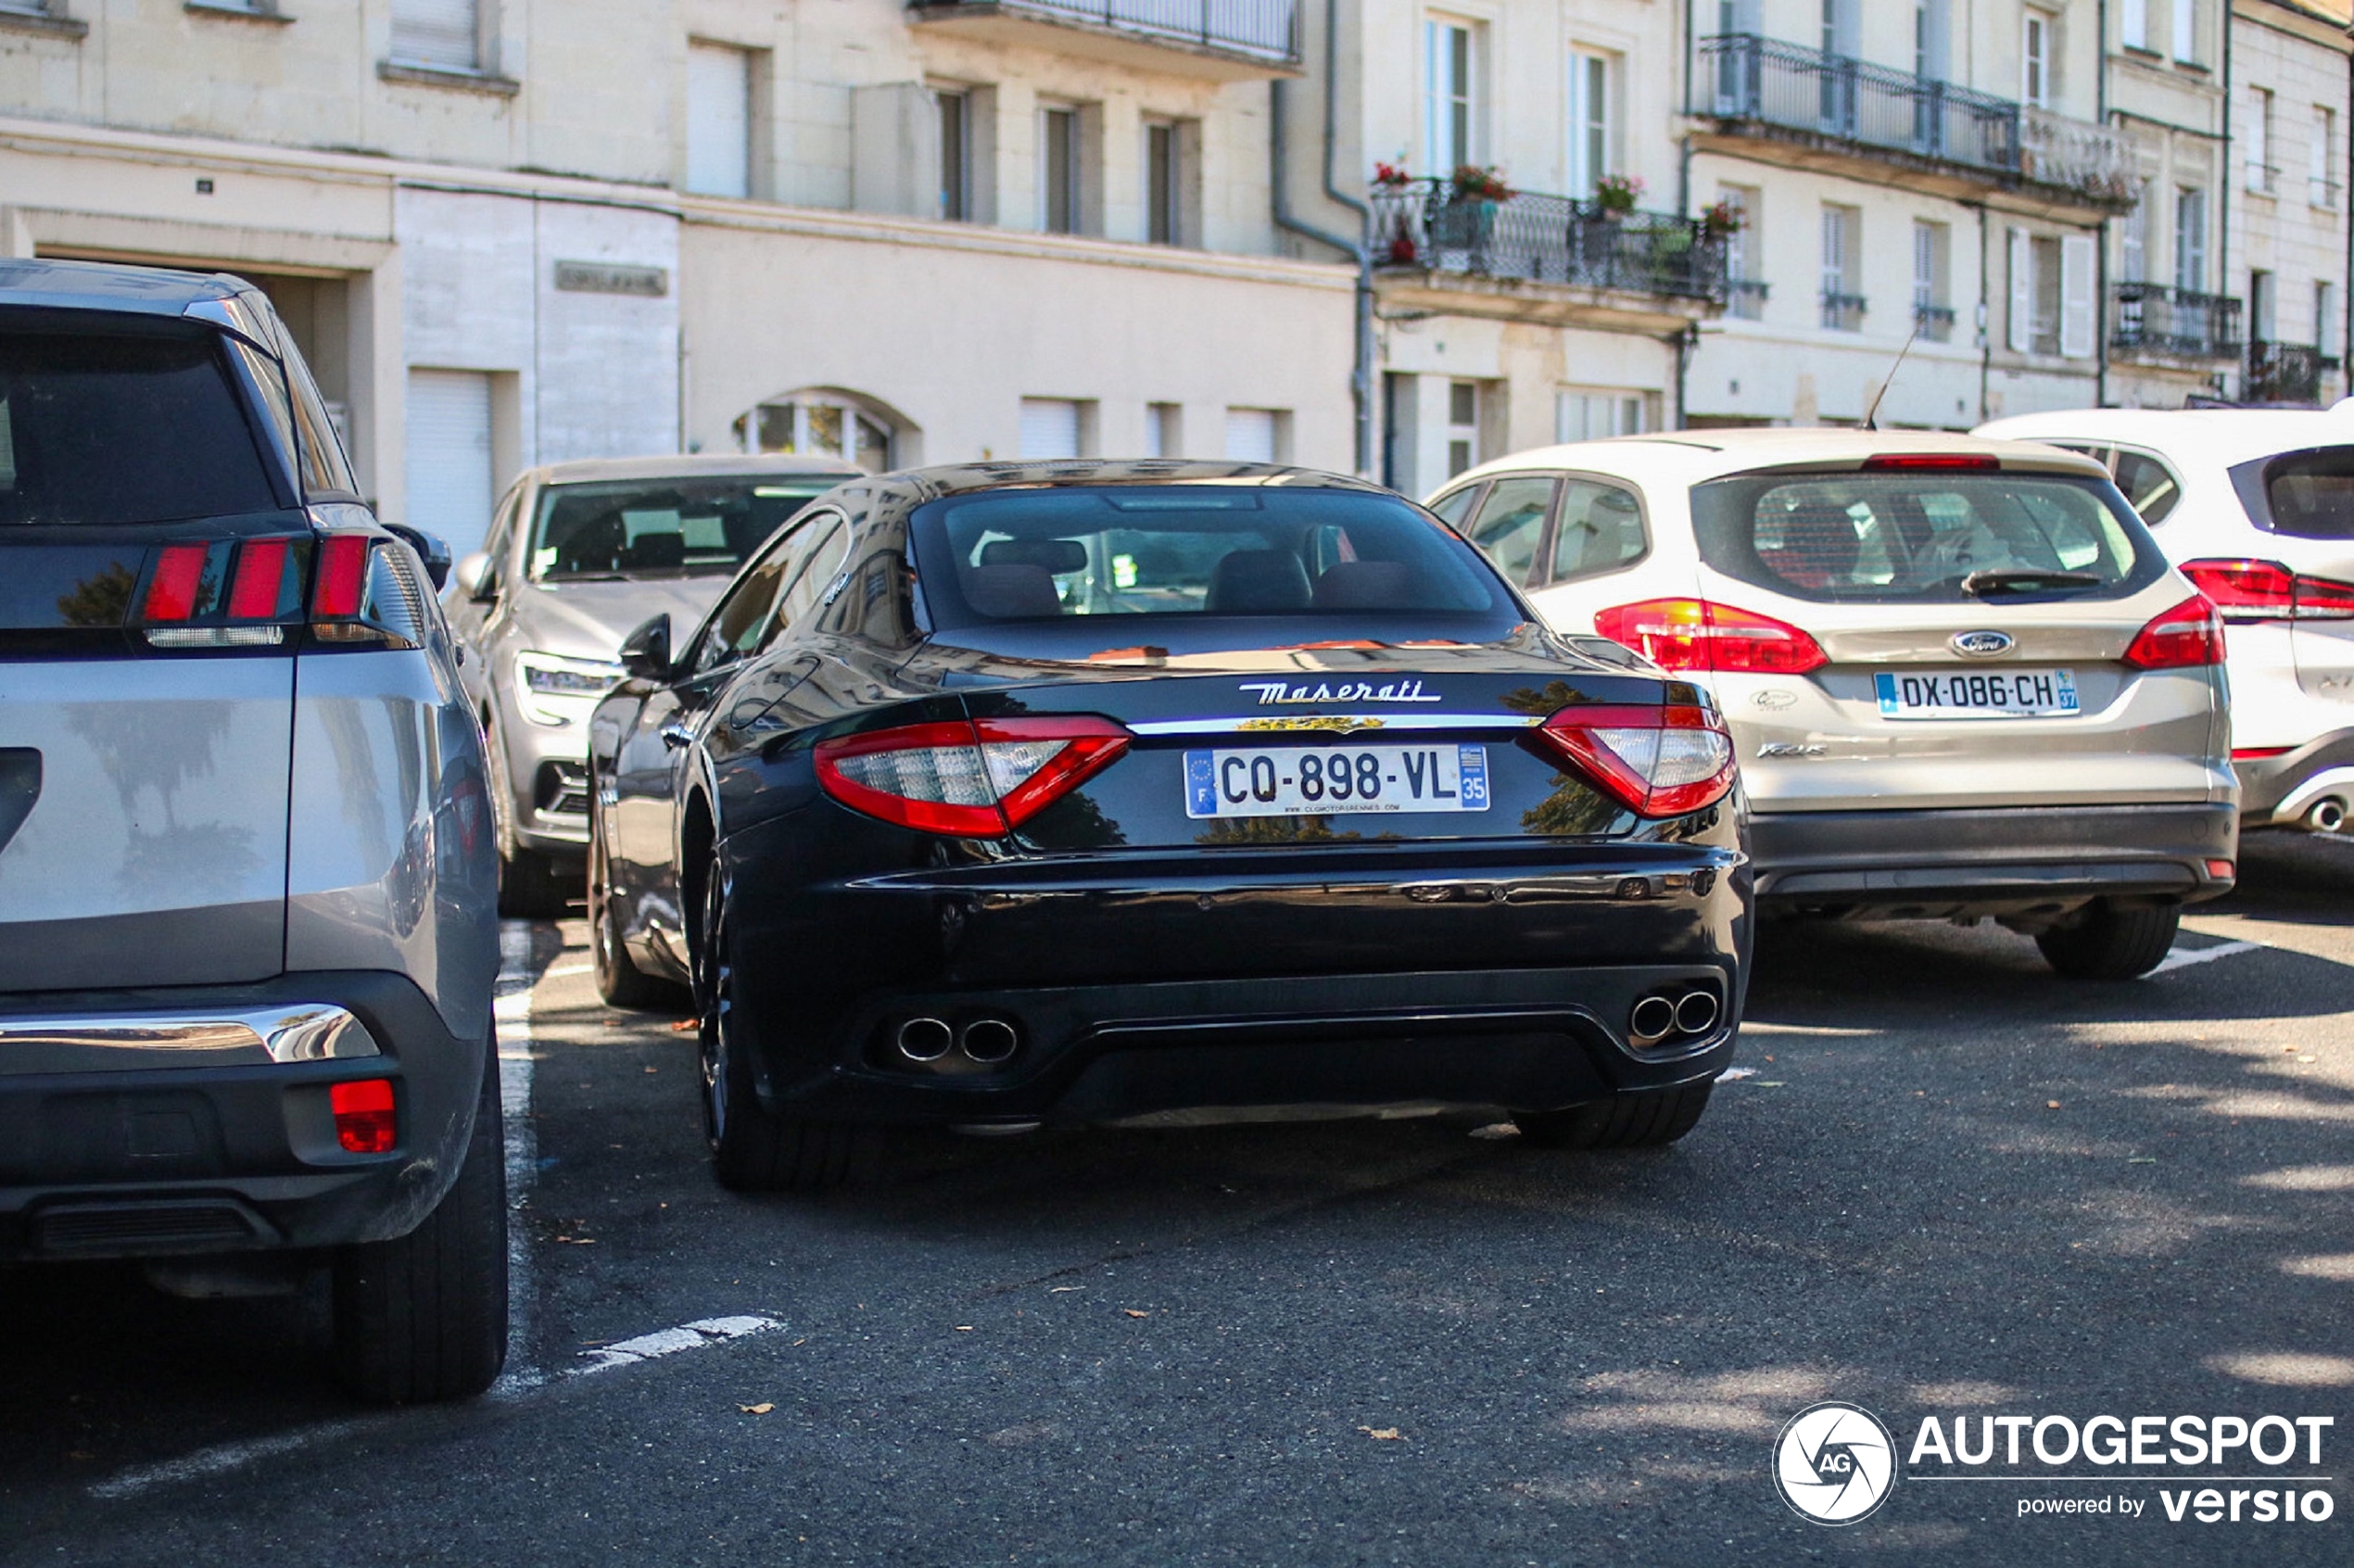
<point x="2134" y="26"/>
<point x="2023" y="321"/>
<point x="2076" y="296"/>
<point x="443" y="34"/>
<point x="1049" y="427"/>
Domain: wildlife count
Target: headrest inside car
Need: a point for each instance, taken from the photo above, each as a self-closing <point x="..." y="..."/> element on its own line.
<point x="1012" y="593"/>
<point x="655" y="552"/>
<point x="1245" y="581"/>
<point x="1366" y="585"/>
<point x="1056" y="556"/>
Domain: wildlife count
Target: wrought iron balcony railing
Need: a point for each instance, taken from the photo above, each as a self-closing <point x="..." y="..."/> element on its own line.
<point x="2154" y="319"/>
<point x="1745" y="297"/>
<point x="1843" y="312"/>
<point x="1877" y="109"/>
<point x="1430" y="224"/>
<point x="1262" y="29"/>
<point x="1935" y="322"/>
<point x="2282" y="372"/>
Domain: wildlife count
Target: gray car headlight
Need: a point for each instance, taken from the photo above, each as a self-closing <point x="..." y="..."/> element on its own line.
<point x="557" y="690"/>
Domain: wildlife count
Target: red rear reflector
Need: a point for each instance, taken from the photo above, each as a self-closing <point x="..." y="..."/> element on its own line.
<point x="970" y="781"/>
<point x="1658" y="762"/>
<point x="1947" y="460"/>
<point x="343" y="574"/>
<point x="2257" y="754"/>
<point x="2190" y="634"/>
<point x="1694" y="634"/>
<point x="364" y="1119"/>
<point x="2219" y="869"/>
<point x="260" y="579"/>
<point x="171" y="592"/>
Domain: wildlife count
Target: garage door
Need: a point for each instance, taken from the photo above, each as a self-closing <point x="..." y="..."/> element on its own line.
<point x="1049" y="427"/>
<point x="448" y="458"/>
<point x="1250" y="435"/>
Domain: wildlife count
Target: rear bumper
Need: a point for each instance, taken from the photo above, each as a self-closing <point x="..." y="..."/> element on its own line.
<point x="2014" y="860"/>
<point x="1142" y="985"/>
<point x="112" y="1147"/>
<point x="2278" y="791"/>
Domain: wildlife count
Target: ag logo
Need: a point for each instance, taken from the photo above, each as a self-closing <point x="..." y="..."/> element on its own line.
<point x="1982" y="644"/>
<point x="1834" y="1464"/>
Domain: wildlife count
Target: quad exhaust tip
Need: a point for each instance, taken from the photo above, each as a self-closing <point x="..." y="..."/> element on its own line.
<point x="1662" y="1015"/>
<point x="925" y="1039"/>
<point x="990" y="1040"/>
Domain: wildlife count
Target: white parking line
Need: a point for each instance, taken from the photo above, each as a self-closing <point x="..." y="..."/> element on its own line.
<point x="2183" y="957"/>
<point x="669" y="1342"/>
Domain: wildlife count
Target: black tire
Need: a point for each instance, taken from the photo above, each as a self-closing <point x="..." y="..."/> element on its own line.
<point x="424" y="1317"/>
<point x="753" y="1150"/>
<point x="619" y="980"/>
<point x="2110" y="943"/>
<point x="1643" y="1120"/>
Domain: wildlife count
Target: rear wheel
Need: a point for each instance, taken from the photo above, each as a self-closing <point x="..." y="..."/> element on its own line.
<point x="752" y="1148"/>
<point x="1641" y="1121"/>
<point x="2106" y="942"/>
<point x="619" y="980"/>
<point x="424" y="1317"/>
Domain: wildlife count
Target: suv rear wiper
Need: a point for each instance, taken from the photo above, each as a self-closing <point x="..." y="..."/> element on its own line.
<point x="2026" y="579"/>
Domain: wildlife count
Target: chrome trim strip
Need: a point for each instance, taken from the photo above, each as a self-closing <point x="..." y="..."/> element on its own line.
<point x="1333" y="723"/>
<point x="130" y="1043"/>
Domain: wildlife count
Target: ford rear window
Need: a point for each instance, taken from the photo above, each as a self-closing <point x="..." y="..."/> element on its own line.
<point x="108" y="428"/>
<point x="1926" y="537"/>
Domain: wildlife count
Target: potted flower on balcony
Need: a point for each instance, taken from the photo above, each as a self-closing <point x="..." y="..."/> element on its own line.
<point x="1392" y="176"/>
<point x="1617" y="193"/>
<point x="1475" y="183"/>
<point x="1721" y="221"/>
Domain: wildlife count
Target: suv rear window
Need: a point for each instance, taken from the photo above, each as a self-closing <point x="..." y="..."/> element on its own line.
<point x="1918" y="538"/>
<point x="2307" y="495"/>
<point x="1153" y="557"/>
<point x="101" y="429"/>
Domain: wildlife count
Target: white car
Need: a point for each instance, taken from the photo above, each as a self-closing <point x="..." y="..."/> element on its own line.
<point x="1961" y="678"/>
<point x="2257" y="508"/>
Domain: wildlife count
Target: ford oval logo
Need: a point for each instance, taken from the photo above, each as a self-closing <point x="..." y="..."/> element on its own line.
<point x="1982" y="644"/>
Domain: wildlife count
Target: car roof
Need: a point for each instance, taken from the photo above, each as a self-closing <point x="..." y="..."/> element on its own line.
<point x="964" y="477"/>
<point x="1692" y="456"/>
<point x="2224" y="436"/>
<point x="697" y="465"/>
<point x="104" y="285"/>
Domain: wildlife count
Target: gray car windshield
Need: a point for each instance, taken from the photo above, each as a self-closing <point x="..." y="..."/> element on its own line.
<point x="662" y="528"/>
<point x="1927" y="537"/>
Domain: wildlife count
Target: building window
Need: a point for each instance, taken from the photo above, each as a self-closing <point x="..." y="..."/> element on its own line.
<point x="1164" y="183"/>
<point x="1054" y="427"/>
<point x="2186" y="30"/>
<point x="955" y="154"/>
<point x="820" y="423"/>
<point x="1058" y="170"/>
<point x="2263" y="307"/>
<point x="437" y="34"/>
<point x="1164" y="430"/>
<point x="1933" y="313"/>
<point x="2134" y="238"/>
<point x="2190" y="241"/>
<point x="1745" y="290"/>
<point x="1843" y="256"/>
<point x="1580" y="415"/>
<point x="719" y="121"/>
<point x="2133" y="24"/>
<point x="2325" y="320"/>
<point x="1255" y="434"/>
<point x="1593" y="120"/>
<point x="1931" y="31"/>
<point x="1450" y="108"/>
<point x="2263" y="177"/>
<point x="2036" y="57"/>
<point x="2321" y="159"/>
<point x="1462" y="426"/>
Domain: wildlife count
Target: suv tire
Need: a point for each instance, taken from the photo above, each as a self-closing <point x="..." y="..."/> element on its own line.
<point x="424" y="1317"/>
<point x="752" y="1149"/>
<point x="2110" y="943"/>
<point x="1642" y="1121"/>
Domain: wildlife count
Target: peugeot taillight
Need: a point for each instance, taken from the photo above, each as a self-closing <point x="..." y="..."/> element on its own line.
<point x="977" y="779"/>
<point x="223" y="593"/>
<point x="2190" y="634"/>
<point x="2266" y="590"/>
<point x="1698" y="634"/>
<point x="1658" y="762"/>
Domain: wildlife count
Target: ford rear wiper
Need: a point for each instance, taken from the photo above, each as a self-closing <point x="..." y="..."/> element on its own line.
<point x="2026" y="579"/>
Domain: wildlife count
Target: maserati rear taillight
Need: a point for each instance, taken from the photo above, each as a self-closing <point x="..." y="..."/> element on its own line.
<point x="1658" y="762"/>
<point x="2188" y="635"/>
<point x="2266" y="590"/>
<point x="1697" y="634"/>
<point x="977" y="779"/>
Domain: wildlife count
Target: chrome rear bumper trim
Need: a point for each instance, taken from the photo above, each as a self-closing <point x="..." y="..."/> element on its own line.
<point x="126" y="1042"/>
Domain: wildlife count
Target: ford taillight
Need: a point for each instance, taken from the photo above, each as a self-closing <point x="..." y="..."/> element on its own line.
<point x="1698" y="634"/>
<point x="2188" y="635"/>
<point x="972" y="778"/>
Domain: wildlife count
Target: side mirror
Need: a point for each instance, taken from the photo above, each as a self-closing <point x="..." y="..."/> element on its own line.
<point x="431" y="548"/>
<point x="645" y="653"/>
<point x="473" y="573"/>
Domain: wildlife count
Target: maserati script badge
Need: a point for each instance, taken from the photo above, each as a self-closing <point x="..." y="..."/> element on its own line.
<point x="1271" y="692"/>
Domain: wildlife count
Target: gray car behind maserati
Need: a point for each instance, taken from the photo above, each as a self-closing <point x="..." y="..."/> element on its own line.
<point x="579" y="554"/>
<point x="246" y="932"/>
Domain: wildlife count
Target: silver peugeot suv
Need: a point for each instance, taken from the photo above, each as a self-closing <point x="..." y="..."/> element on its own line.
<point x="248" y="937"/>
<point x="580" y="553"/>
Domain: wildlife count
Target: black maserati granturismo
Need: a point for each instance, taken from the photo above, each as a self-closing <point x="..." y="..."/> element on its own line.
<point x="1007" y="795"/>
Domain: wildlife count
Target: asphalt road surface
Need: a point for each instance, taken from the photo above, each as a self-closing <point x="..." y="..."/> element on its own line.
<point x="1948" y="1185"/>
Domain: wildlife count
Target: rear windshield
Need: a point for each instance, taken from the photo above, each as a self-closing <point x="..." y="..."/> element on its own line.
<point x="1130" y="564"/>
<point x="662" y="528"/>
<point x="1924" y="537"/>
<point x="2307" y="495"/>
<point x="103" y="429"/>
